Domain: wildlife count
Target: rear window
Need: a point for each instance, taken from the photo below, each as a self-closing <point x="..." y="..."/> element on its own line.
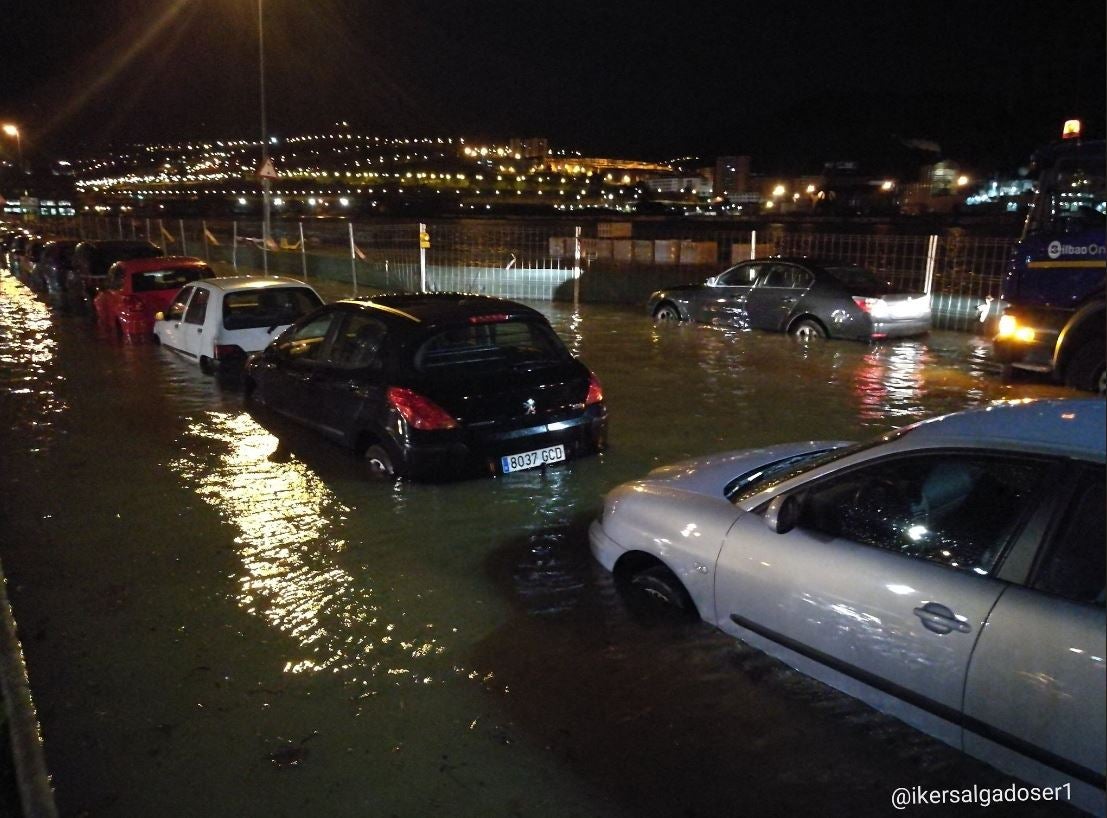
<point x="268" y="307"/>
<point x="491" y="346"/>
<point x="858" y="281"/>
<point x="172" y="279"/>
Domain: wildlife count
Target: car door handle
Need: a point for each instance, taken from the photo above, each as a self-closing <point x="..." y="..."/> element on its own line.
<point x="940" y="619"/>
<point x="199" y="330"/>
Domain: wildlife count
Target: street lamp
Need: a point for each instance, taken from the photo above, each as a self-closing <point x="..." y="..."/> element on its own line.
<point x="264" y="147"/>
<point x="12" y="130"/>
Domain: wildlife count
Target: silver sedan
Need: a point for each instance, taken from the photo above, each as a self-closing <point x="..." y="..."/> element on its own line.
<point x="950" y="573"/>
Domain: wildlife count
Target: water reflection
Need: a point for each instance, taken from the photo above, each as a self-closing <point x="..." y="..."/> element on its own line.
<point x="291" y="554"/>
<point x="27" y="348"/>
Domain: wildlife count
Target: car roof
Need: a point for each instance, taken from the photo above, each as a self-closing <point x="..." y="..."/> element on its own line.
<point x="434" y="308"/>
<point x="228" y="283"/>
<point x="144" y="265"/>
<point x="1069" y="426"/>
<point x="806" y="261"/>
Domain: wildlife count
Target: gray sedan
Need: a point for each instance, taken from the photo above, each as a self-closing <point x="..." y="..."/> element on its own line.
<point x="800" y="296"/>
<point x="950" y="573"/>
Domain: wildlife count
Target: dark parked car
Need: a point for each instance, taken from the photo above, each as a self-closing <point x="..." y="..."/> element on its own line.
<point x="28" y="266"/>
<point x="17" y="254"/>
<point x="91" y="260"/>
<point x="800" y="296"/>
<point x="54" y="265"/>
<point x="434" y="385"/>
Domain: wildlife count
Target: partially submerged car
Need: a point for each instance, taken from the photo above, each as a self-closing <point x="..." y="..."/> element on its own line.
<point x="951" y="573"/>
<point x="434" y="385"/>
<point x="806" y="298"/>
<point x="135" y="291"/>
<point x="220" y="321"/>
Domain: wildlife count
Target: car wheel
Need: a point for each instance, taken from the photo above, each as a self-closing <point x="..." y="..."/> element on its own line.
<point x="379" y="463"/>
<point x="654" y="592"/>
<point x="1086" y="370"/>
<point x="207" y="365"/>
<point x="808" y="330"/>
<point x="667" y="312"/>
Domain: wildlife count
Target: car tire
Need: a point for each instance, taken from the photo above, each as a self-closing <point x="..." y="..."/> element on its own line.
<point x="654" y="593"/>
<point x="379" y="463"/>
<point x="667" y="312"/>
<point x="1086" y="370"/>
<point x="807" y="331"/>
<point x="208" y="366"/>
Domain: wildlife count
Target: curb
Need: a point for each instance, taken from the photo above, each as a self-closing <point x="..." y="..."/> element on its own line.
<point x="35" y="793"/>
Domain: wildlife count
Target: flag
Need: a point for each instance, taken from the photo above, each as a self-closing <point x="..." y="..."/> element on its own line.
<point x="357" y="250"/>
<point x="271" y="245"/>
<point x="210" y="237"/>
<point x="166" y="234"/>
<point x="287" y="245"/>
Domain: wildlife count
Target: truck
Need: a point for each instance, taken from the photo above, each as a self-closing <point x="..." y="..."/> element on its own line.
<point x="1051" y="297"/>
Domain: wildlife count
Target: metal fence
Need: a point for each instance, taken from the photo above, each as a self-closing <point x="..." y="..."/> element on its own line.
<point x="593" y="263"/>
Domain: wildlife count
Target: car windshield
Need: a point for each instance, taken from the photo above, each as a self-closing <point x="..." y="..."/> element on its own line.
<point x="858" y="281"/>
<point x="489" y="346"/>
<point x="771" y="474"/>
<point x="172" y="279"/>
<point x="267" y="307"/>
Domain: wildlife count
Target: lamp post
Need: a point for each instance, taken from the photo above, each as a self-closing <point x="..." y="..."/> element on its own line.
<point x="264" y="147"/>
<point x="12" y="130"/>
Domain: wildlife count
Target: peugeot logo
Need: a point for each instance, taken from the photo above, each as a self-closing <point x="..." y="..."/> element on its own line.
<point x="529" y="406"/>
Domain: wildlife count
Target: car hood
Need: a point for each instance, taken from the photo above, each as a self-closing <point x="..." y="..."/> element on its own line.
<point x="710" y="475"/>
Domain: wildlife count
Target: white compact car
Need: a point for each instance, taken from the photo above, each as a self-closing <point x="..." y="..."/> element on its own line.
<point x="951" y="573"/>
<point x="221" y="320"/>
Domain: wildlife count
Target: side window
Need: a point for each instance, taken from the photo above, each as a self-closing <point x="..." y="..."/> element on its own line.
<point x="956" y="508"/>
<point x="1074" y="564"/>
<point x="741" y="276"/>
<point x="358" y="343"/>
<point x="114" y="280"/>
<point x="307" y="342"/>
<point x="198" y="307"/>
<point x="176" y="310"/>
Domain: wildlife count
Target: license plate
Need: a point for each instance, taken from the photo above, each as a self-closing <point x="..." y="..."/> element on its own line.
<point x="530" y="460"/>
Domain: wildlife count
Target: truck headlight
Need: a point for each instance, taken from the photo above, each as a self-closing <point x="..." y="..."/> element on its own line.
<point x="1009" y="327"/>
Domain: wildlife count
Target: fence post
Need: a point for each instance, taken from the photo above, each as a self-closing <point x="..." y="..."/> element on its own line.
<point x="303" y="251"/>
<point x="931" y="257"/>
<point x="422" y="260"/>
<point x="753" y="244"/>
<point x="204" y="236"/>
<point x="184" y="244"/>
<point x="147" y="230"/>
<point x="234" y="246"/>
<point x="353" y="258"/>
<point x="576" y="267"/>
<point x="120" y="225"/>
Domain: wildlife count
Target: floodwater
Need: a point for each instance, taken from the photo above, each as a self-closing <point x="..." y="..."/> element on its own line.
<point x="222" y="617"/>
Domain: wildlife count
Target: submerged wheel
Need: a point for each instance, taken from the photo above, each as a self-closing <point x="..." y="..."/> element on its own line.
<point x="207" y="365"/>
<point x="808" y="330"/>
<point x="1086" y="370"/>
<point x="653" y="593"/>
<point x="379" y="463"/>
<point x="667" y="312"/>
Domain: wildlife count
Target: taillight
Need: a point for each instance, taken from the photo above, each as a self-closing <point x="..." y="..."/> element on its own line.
<point x="876" y="307"/>
<point x="225" y="351"/>
<point x="595" y="391"/>
<point x="422" y="413"/>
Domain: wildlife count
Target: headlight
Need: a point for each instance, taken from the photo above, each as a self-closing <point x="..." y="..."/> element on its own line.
<point x="1009" y="328"/>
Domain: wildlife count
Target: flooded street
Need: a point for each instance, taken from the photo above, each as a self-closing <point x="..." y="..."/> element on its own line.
<point x="222" y="616"/>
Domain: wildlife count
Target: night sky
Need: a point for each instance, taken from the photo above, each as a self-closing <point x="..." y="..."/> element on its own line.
<point x="791" y="83"/>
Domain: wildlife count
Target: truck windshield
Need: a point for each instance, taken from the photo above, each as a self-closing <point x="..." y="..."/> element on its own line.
<point x="1072" y="196"/>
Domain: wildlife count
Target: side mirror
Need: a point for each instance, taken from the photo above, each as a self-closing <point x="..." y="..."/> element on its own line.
<point x="711" y="282"/>
<point x="782" y="514"/>
<point x="159" y="316"/>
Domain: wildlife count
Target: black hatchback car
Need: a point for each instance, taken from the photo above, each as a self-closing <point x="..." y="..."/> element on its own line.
<point x="801" y="296"/>
<point x="434" y="385"/>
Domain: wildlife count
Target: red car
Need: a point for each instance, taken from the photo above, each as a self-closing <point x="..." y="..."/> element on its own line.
<point x="137" y="289"/>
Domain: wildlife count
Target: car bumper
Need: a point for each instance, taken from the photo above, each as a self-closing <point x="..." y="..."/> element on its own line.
<point x="903" y="328"/>
<point x="604" y="549"/>
<point x="468" y="453"/>
<point x="1033" y="356"/>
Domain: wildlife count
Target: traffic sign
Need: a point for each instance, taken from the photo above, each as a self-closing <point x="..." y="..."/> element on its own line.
<point x="267" y="171"/>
